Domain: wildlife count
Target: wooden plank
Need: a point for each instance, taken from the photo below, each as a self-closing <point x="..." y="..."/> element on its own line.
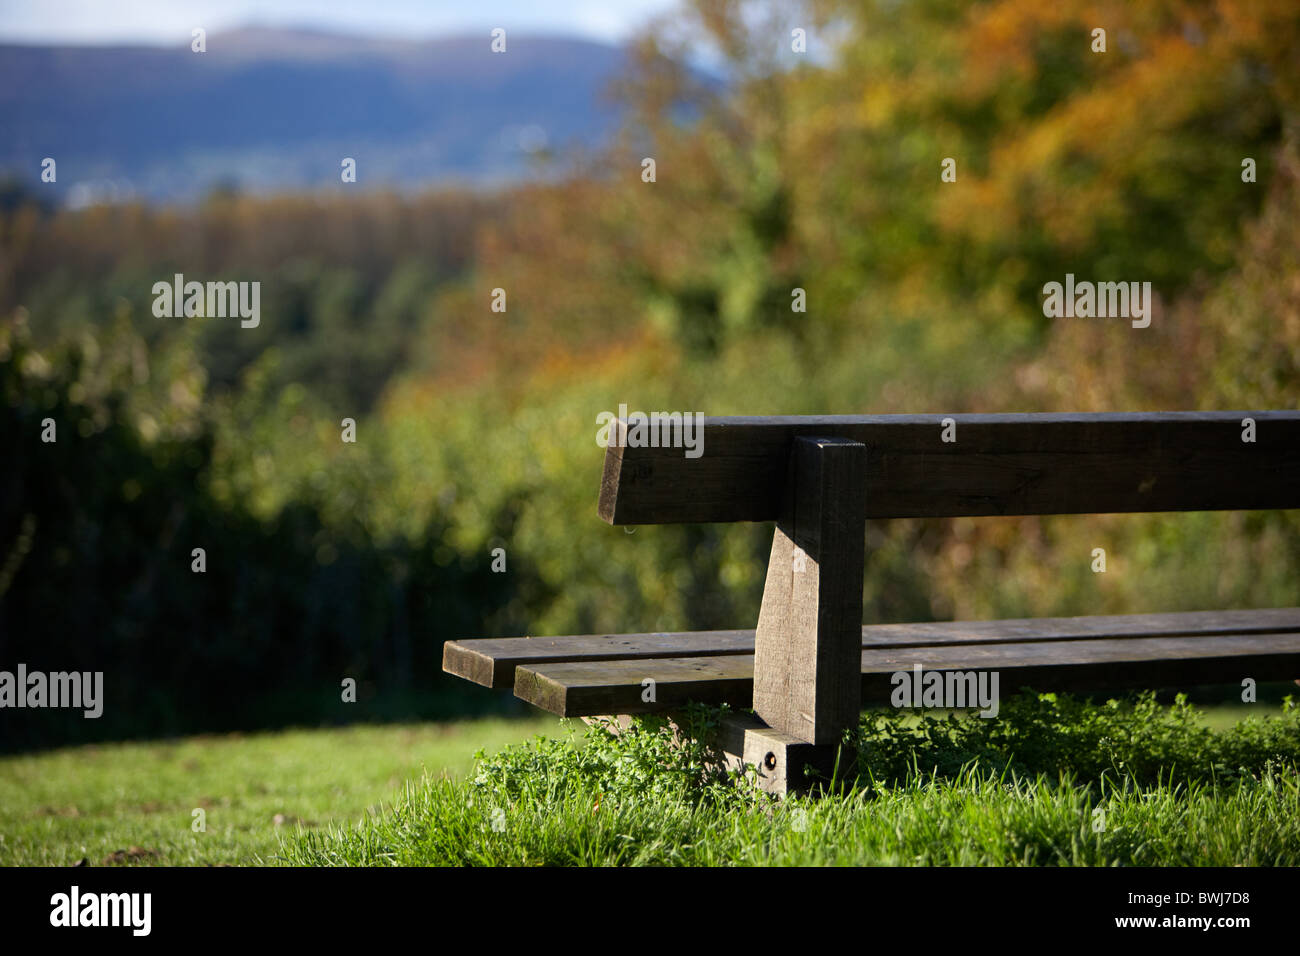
<point x="575" y="689"/>
<point x="809" y="627"/>
<point x="618" y="687"/>
<point x="1012" y="630"/>
<point x="998" y="465"/>
<point x="1084" y="665"/>
<point x="492" y="661"/>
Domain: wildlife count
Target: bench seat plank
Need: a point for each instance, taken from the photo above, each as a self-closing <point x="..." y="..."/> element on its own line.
<point x="588" y="688"/>
<point x="585" y="688"/>
<point x="492" y="662"/>
<point x="1011" y="630"/>
<point x="1091" y="665"/>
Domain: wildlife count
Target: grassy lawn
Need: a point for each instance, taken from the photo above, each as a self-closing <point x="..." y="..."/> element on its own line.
<point x="966" y="821"/>
<point x="133" y="802"/>
<point x="1053" y="782"/>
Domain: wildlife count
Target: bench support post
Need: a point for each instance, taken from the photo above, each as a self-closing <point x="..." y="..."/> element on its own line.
<point x="785" y="764"/>
<point x="808" y="648"/>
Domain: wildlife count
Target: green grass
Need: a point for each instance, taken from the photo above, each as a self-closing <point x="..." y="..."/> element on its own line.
<point x="1174" y="786"/>
<point x="1023" y="790"/>
<point x="967" y="820"/>
<point x="95" y="801"/>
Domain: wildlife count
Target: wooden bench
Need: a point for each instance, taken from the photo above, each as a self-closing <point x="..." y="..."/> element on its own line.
<point x="810" y="665"/>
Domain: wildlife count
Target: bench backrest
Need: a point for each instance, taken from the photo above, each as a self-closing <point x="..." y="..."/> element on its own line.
<point x="1022" y="464"/>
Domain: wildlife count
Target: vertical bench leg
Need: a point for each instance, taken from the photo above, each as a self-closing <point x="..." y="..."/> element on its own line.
<point x="808" y="650"/>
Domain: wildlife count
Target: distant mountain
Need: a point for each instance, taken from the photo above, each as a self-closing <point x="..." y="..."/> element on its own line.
<point x="267" y="109"/>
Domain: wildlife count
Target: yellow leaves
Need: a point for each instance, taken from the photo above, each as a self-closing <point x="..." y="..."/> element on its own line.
<point x="876" y="108"/>
<point x="999" y="40"/>
<point x="1071" y="170"/>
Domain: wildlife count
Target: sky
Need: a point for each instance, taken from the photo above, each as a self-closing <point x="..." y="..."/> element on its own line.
<point x="169" y="22"/>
